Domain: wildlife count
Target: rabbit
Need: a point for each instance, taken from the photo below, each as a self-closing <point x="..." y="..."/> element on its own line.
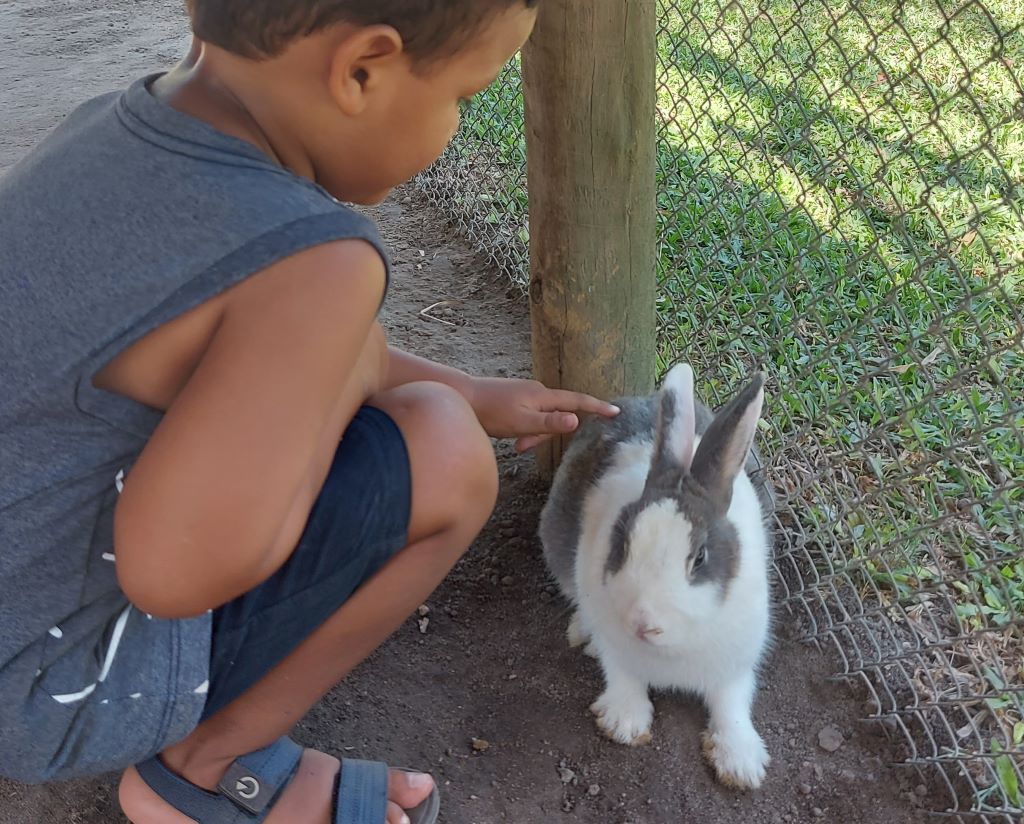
<point x="656" y="531"/>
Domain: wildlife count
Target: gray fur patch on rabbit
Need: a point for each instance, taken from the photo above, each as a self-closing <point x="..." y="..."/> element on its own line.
<point x="588" y="457"/>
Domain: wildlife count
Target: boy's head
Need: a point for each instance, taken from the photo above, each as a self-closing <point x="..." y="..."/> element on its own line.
<point x="429" y="29"/>
<point x="369" y="89"/>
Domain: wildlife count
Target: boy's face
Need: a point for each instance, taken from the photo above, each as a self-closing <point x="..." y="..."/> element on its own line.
<point x="414" y="114"/>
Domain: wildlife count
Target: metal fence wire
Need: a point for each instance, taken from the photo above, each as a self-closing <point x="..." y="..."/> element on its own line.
<point x="841" y="203"/>
<point x="480" y="181"/>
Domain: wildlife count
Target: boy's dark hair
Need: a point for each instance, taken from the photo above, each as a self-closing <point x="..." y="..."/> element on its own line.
<point x="263" y="28"/>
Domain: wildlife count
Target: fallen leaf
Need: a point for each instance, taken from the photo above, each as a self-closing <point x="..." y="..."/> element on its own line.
<point x="967" y="239"/>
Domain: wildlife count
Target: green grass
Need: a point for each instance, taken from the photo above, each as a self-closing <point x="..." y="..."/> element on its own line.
<point x="841" y="201"/>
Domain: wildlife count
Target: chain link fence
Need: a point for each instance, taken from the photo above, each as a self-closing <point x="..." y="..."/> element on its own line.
<point x="480" y="181"/>
<point x="841" y="203"/>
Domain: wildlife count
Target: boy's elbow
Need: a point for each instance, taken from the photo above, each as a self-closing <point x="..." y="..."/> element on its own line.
<point x="174" y="574"/>
<point x="165" y="582"/>
<point x="161" y="595"/>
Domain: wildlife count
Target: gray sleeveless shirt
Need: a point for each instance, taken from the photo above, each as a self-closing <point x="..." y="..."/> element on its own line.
<point x="128" y="215"/>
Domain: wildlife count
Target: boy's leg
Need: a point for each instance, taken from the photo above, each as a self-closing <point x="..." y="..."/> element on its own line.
<point x="454" y="482"/>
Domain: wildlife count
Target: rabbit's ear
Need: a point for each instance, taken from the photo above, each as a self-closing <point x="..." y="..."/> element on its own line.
<point x="725" y="445"/>
<point x="673" y="443"/>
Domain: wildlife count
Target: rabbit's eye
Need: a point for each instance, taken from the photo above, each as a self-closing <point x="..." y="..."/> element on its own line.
<point x="700" y="558"/>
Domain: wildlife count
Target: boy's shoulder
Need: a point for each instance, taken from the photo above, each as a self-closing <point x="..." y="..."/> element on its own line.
<point x="128" y="170"/>
<point x="156" y="212"/>
<point x="132" y="145"/>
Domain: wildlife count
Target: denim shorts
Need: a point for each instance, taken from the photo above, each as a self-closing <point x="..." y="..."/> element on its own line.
<point x="360" y="520"/>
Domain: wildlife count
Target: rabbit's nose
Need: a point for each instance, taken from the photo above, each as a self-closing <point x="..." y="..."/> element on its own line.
<point x="646" y="632"/>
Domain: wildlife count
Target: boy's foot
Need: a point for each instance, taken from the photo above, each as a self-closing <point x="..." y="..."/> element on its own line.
<point x="308" y="798"/>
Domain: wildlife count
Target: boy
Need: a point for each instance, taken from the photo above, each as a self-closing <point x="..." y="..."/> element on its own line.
<point x="220" y="488"/>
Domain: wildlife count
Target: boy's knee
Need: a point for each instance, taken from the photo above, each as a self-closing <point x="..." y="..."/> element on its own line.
<point x="452" y="457"/>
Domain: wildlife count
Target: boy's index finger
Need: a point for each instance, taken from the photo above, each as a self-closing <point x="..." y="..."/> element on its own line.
<point x="566" y="401"/>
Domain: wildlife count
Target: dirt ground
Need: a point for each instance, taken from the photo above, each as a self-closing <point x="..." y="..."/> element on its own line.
<point x="490" y="664"/>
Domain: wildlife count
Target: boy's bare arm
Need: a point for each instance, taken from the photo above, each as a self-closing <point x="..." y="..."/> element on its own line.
<point x="404" y="367"/>
<point x="221" y="492"/>
<point x="506" y="407"/>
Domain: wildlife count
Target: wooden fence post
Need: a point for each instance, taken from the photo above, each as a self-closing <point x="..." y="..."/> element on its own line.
<point x="589" y="79"/>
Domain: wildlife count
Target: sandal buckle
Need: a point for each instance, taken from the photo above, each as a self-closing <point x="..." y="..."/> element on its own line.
<point x="245" y="789"/>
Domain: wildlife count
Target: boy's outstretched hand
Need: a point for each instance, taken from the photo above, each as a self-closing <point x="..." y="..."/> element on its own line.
<point x="529" y="411"/>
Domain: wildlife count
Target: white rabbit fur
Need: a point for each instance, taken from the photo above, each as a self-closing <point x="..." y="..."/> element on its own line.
<point x="651" y="621"/>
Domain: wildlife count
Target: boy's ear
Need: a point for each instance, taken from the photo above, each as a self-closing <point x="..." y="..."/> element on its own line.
<point x="360" y="65"/>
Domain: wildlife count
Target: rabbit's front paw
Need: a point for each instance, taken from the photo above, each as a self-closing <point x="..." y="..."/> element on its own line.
<point x="576" y="635"/>
<point x="624" y="718"/>
<point x="740" y="759"/>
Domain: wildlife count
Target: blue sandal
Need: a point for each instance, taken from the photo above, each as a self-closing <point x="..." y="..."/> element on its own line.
<point x="253" y="783"/>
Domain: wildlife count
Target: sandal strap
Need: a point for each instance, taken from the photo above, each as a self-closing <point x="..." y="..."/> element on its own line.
<point x="251" y="785"/>
<point x="193" y="801"/>
<point x="362" y="792"/>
